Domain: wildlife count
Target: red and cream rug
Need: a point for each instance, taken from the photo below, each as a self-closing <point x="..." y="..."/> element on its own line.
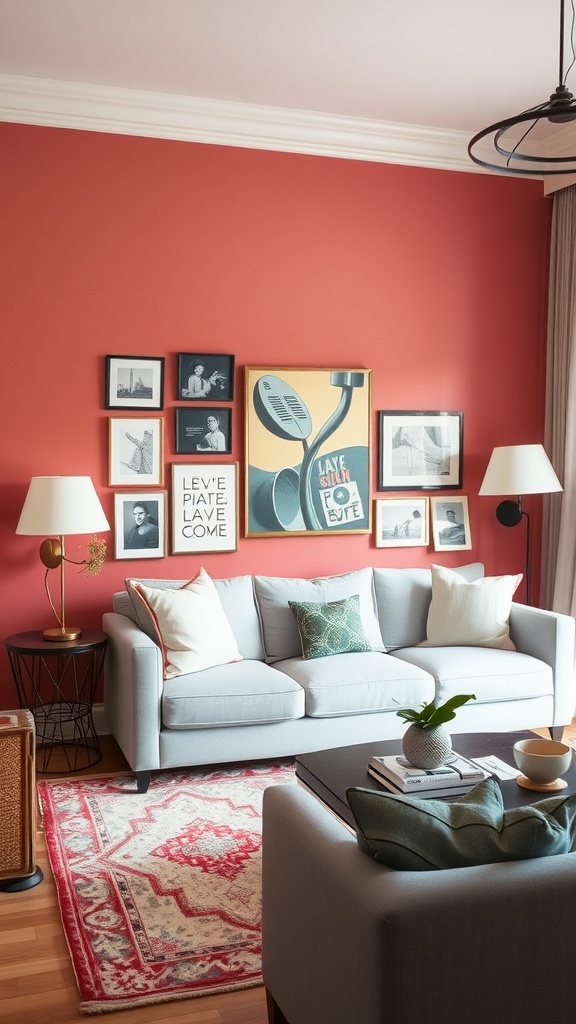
<point x="160" y="893"/>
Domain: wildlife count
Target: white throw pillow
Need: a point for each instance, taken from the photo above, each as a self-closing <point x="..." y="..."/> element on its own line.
<point x="192" y="629"/>
<point x="472" y="614"/>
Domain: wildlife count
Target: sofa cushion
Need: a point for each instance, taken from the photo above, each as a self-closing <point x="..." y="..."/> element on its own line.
<point x="236" y="595"/>
<point x="191" y="627"/>
<point x="493" y="675"/>
<point x="419" y="835"/>
<point x="356" y="684"/>
<point x="279" y="629"/>
<point x="331" y="628"/>
<point x="473" y="613"/>
<point x="245" y="693"/>
<point x="403" y="598"/>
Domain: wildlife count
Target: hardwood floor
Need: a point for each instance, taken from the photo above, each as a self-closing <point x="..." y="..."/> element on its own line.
<point x="36" y="977"/>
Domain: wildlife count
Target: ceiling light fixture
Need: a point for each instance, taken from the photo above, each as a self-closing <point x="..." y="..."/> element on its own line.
<point x="520" y="142"/>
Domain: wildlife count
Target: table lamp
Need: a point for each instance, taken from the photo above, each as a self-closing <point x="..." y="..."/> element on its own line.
<point x="519" y="469"/>
<point x="60" y="505"/>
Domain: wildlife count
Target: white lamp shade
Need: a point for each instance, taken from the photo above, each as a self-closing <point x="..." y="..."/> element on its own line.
<point x="520" y="469"/>
<point x="61" y="505"/>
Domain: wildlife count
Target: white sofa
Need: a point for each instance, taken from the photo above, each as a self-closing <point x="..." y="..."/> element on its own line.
<point x="275" y="704"/>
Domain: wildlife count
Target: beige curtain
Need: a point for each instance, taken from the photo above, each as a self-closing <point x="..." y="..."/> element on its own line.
<point x="559" y="532"/>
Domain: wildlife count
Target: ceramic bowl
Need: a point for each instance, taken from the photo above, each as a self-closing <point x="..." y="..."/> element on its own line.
<point x="542" y="761"/>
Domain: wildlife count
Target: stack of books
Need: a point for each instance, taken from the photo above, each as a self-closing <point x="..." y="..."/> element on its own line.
<point x="452" y="779"/>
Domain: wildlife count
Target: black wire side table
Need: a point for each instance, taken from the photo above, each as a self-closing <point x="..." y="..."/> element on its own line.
<point x="57" y="682"/>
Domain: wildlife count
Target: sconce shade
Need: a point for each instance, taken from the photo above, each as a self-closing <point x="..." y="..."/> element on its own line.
<point x="61" y="505"/>
<point x="519" y="469"/>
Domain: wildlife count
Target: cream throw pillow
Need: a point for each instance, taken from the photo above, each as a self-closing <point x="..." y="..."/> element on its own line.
<point x="470" y="614"/>
<point x="192" y="629"/>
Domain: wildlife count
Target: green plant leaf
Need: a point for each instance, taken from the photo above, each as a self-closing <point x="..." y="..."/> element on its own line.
<point x="430" y="716"/>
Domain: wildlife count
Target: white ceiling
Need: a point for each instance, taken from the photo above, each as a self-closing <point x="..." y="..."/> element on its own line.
<point x="449" y="65"/>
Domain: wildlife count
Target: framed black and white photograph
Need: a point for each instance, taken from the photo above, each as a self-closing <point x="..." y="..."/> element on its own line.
<point x="140" y="525"/>
<point x="451" y="524"/>
<point x="420" y="450"/>
<point x="205" y="377"/>
<point x="136" y="452"/>
<point x="134" y="382"/>
<point x="203" y="431"/>
<point x="401" y="522"/>
<point x="204" y="507"/>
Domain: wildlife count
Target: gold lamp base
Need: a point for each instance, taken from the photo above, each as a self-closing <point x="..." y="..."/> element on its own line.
<point x="59" y="635"/>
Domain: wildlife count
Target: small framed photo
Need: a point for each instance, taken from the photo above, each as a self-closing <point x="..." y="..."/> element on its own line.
<point x="401" y="523"/>
<point x="140" y="525"/>
<point x="451" y="524"/>
<point x="205" y="377"/>
<point x="203" y="431"/>
<point x="136" y="452"/>
<point x="420" y="450"/>
<point x="204" y="507"/>
<point x="134" y="382"/>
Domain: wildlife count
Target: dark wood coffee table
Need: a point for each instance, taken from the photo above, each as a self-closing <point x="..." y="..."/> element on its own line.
<point x="329" y="773"/>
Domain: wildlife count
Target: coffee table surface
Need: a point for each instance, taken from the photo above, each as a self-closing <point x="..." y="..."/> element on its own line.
<point x="329" y="773"/>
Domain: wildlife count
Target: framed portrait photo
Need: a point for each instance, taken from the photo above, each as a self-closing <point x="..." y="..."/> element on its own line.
<point x="134" y="382"/>
<point x="203" y="431"/>
<point x="136" y="452"/>
<point x="451" y="524"/>
<point x="204" y="507"/>
<point x="401" y="522"/>
<point x="140" y="524"/>
<point x="420" y="451"/>
<point x="307" y="451"/>
<point x="206" y="377"/>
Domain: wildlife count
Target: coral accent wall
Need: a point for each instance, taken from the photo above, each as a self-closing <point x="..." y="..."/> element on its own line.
<point x="435" y="280"/>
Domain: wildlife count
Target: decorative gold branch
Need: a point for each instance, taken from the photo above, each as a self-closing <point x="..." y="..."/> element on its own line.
<point x="97" y="551"/>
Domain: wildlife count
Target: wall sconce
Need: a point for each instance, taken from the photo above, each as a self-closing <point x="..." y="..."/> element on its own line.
<point x="519" y="469"/>
<point x="60" y="505"/>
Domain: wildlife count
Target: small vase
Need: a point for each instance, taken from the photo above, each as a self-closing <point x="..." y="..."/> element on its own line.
<point x="427" y="748"/>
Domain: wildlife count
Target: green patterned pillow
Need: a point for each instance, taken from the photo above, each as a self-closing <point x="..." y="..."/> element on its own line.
<point x="332" y="628"/>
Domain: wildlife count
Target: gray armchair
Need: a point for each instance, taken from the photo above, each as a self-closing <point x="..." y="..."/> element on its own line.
<point x="348" y="941"/>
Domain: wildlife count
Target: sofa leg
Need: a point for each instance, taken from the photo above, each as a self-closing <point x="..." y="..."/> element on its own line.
<point x="143" y="781"/>
<point x="275" y="1015"/>
<point x="556" y="732"/>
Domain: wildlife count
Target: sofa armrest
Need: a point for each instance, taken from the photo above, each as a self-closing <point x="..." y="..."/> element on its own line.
<point x="550" y="637"/>
<point x="346" y="939"/>
<point x="133" y="691"/>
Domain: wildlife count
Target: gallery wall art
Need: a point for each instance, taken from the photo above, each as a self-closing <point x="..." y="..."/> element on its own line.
<point x="307" y="451"/>
<point x="136" y="452"/>
<point x="140" y="524"/>
<point x="134" y="382"/>
<point x="204" y="507"/>
<point x="420" y="450"/>
<point x="401" y="522"/>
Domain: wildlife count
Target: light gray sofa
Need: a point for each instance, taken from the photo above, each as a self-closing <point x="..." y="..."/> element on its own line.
<point x="275" y="704"/>
<point x="346" y="940"/>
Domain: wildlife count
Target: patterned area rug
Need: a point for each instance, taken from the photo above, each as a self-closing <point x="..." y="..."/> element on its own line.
<point x="160" y="894"/>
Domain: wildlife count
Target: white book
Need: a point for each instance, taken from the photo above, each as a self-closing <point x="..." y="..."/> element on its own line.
<point x="461" y="772"/>
<point x="422" y="794"/>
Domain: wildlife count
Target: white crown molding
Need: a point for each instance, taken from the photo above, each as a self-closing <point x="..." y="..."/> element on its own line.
<point x="86" y="107"/>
